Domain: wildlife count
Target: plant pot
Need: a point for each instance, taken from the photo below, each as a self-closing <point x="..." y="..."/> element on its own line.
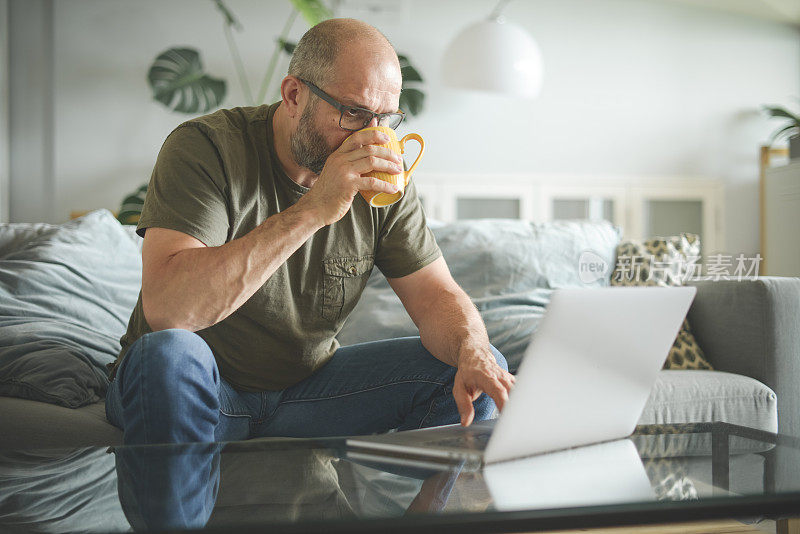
<point x="794" y="147"/>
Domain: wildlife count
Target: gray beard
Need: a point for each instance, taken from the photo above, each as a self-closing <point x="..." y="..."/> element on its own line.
<point x="308" y="146"/>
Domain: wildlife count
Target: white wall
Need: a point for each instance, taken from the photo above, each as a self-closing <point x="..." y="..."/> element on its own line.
<point x="632" y="88"/>
<point x="31" y="110"/>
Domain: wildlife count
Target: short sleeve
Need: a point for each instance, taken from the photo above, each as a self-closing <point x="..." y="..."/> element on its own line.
<point x="405" y="242"/>
<point x="187" y="190"/>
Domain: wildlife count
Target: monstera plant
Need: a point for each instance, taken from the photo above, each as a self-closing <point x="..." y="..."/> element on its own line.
<point x="179" y="82"/>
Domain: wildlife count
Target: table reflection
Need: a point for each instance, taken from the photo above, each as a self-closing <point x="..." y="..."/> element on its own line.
<point x="168" y="487"/>
<point x="197" y="485"/>
<point x="276" y="481"/>
<point x="607" y="473"/>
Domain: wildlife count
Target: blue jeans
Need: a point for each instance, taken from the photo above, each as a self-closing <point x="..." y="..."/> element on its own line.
<point x="168" y="390"/>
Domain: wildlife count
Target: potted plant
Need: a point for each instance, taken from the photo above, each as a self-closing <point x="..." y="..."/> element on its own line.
<point x="178" y="80"/>
<point x="790" y="128"/>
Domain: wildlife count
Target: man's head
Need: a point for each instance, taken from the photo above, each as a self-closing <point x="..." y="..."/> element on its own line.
<point x="354" y="64"/>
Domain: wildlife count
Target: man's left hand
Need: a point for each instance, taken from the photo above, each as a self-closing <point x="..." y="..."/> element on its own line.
<point x="479" y="373"/>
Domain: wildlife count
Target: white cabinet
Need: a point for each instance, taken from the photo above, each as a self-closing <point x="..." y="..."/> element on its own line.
<point x="781" y="219"/>
<point x="642" y="207"/>
<point x="666" y="208"/>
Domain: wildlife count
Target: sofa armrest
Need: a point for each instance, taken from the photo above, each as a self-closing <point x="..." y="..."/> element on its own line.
<point x="752" y="327"/>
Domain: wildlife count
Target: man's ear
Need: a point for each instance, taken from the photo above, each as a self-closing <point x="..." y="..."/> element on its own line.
<point x="291" y="95"/>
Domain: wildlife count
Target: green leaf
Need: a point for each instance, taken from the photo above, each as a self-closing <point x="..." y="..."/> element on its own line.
<point x="177" y="80"/>
<point x="783" y="131"/>
<point x="131" y="208"/>
<point x="412" y="101"/>
<point x="410" y="74"/>
<point x="287" y="46"/>
<point x="781" y="112"/>
<point x="230" y="19"/>
<point x="314" y="11"/>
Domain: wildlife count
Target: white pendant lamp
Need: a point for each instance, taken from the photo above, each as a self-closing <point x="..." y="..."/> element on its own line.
<point x="494" y="55"/>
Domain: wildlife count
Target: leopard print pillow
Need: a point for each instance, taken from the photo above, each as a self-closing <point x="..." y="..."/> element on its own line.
<point x="664" y="261"/>
<point x="663" y="453"/>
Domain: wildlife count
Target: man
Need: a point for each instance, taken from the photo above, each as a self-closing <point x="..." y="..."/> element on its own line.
<point x="256" y="248"/>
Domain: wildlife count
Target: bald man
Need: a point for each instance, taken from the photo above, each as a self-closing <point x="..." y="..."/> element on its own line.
<point x="257" y="246"/>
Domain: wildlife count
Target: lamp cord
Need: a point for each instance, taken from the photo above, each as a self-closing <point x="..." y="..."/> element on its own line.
<point x="498" y="9"/>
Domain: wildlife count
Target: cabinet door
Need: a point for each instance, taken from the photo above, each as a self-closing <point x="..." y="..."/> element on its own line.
<point x="591" y="202"/>
<point x="597" y="208"/>
<point x="671" y="210"/>
<point x="664" y="217"/>
<point x="430" y="197"/>
<point x="488" y="208"/>
<point x="491" y="199"/>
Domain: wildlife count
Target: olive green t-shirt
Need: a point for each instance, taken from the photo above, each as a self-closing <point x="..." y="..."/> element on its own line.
<point x="217" y="177"/>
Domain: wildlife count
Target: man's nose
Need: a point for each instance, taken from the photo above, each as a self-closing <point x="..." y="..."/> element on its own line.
<point x="373" y="122"/>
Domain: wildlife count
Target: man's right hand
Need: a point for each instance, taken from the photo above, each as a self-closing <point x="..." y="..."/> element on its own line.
<point x="332" y="194"/>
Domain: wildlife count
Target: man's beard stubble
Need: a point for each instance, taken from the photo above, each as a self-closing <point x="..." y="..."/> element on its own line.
<point x="308" y="145"/>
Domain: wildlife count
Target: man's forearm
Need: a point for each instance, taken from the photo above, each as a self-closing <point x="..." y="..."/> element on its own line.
<point x="452" y="327"/>
<point x="203" y="286"/>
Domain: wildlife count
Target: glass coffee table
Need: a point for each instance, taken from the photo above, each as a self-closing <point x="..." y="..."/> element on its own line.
<point x="661" y="474"/>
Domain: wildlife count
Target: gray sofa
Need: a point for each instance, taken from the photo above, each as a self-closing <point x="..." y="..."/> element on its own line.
<point x="749" y="330"/>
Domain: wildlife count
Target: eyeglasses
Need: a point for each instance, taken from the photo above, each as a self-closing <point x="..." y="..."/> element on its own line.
<point x="353" y="118"/>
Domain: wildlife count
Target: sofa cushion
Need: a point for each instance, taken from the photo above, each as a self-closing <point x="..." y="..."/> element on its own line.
<point x="29" y="424"/>
<point x="508" y="267"/>
<point x="706" y="396"/>
<point x="14" y="235"/>
<point x="703" y="396"/>
<point x="66" y="292"/>
<point x="499" y="256"/>
<point x="138" y="240"/>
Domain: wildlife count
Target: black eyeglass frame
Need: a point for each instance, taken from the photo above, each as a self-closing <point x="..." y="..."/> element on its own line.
<point x="342" y="108"/>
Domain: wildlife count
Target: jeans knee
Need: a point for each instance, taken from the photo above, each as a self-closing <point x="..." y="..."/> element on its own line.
<point x="168" y="389"/>
<point x="484" y="407"/>
<point x="176" y="353"/>
<point x="499" y="358"/>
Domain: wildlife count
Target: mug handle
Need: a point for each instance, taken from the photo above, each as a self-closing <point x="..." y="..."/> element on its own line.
<point x="414" y="137"/>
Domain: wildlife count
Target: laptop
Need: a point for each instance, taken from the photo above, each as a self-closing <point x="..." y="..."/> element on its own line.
<point x="584" y="379"/>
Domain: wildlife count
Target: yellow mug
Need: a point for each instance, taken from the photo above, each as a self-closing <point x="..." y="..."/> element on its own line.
<point x="380" y="200"/>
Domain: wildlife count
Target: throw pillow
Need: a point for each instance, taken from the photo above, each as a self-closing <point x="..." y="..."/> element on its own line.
<point x="664" y="261"/>
<point x="508" y="267"/>
<point x="66" y="293"/>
